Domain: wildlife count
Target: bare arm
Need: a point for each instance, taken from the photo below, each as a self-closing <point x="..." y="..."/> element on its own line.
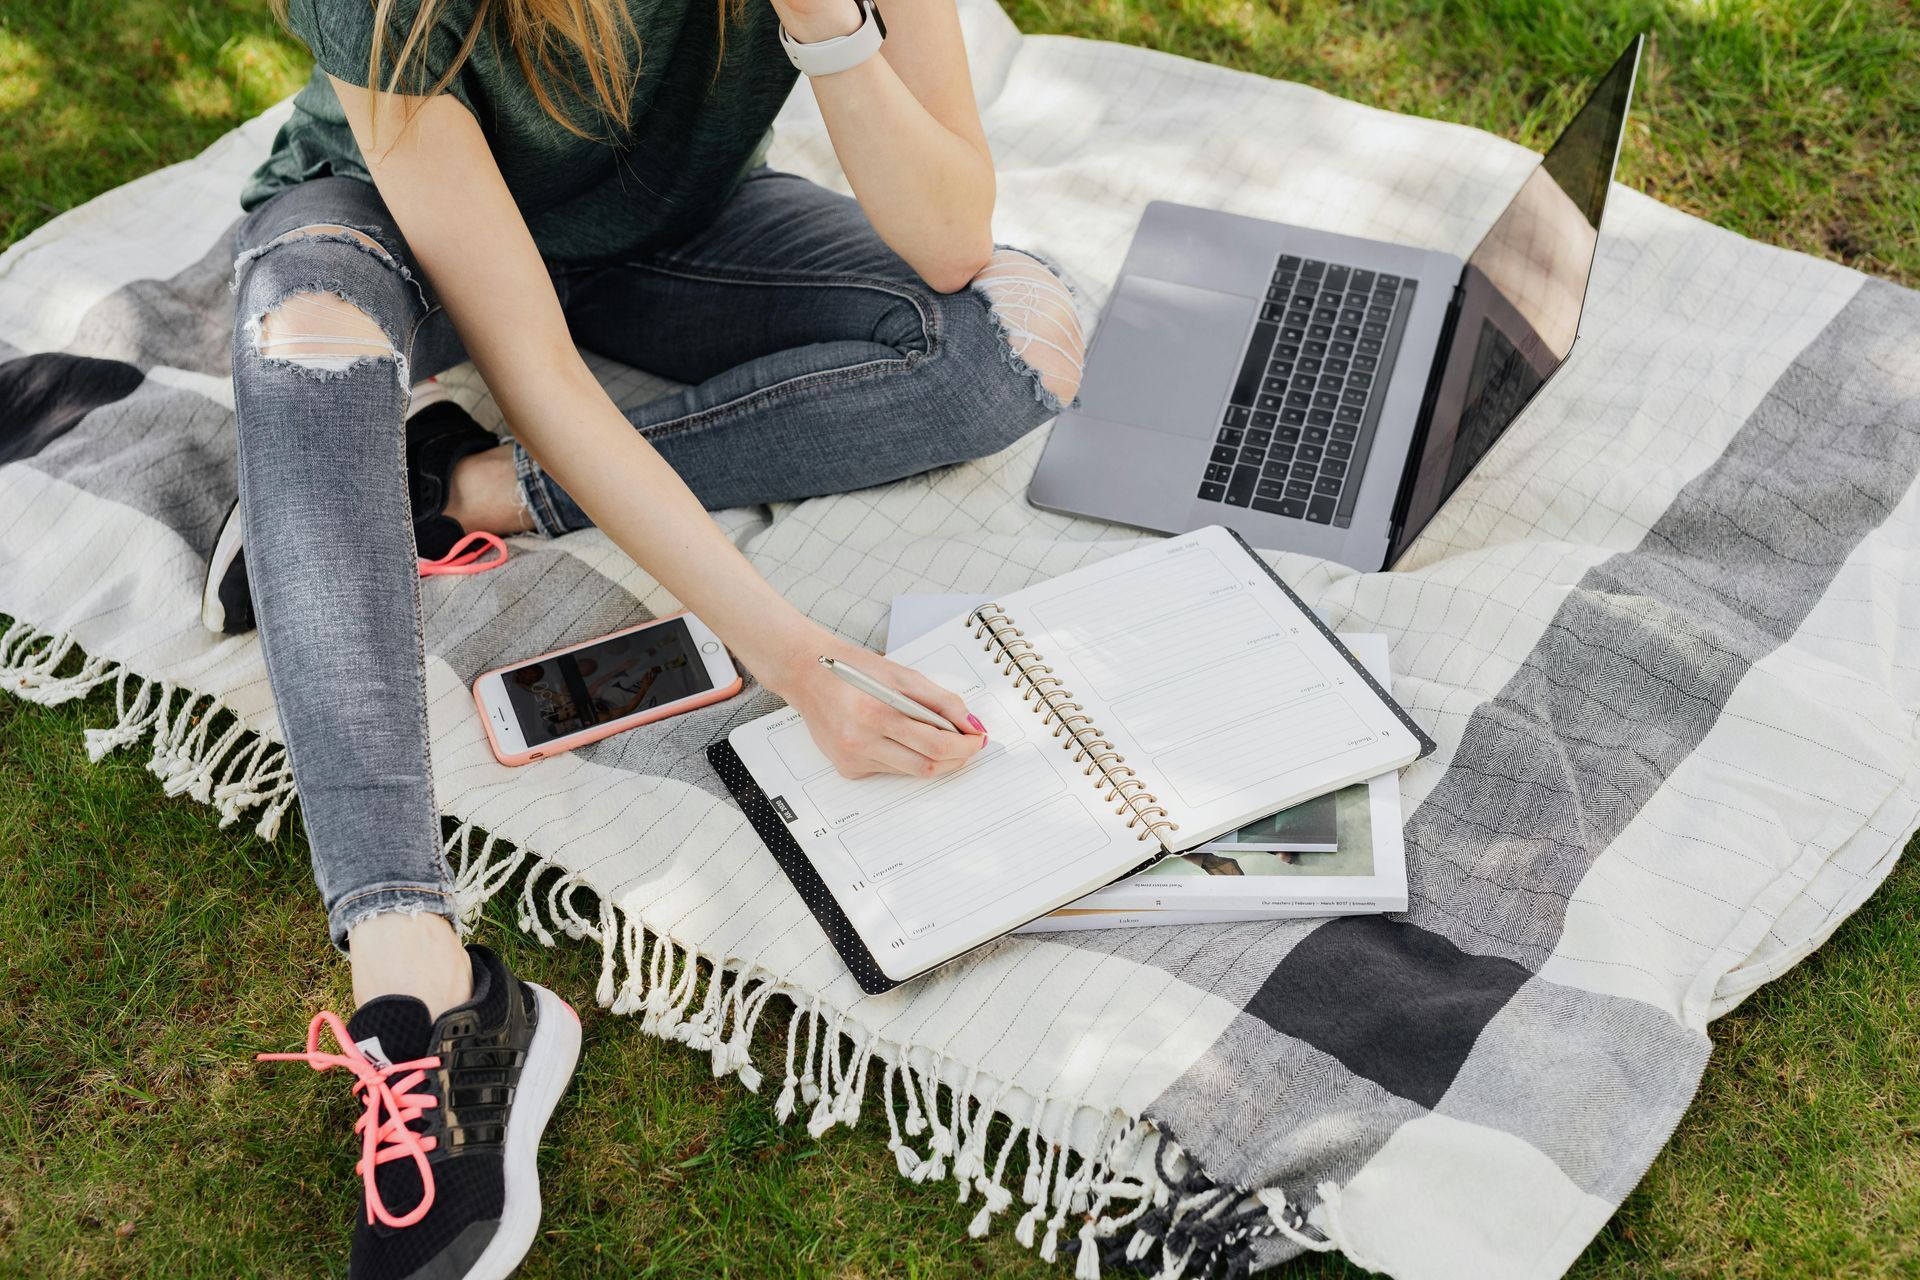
<point x="908" y="134"/>
<point x="444" y="190"/>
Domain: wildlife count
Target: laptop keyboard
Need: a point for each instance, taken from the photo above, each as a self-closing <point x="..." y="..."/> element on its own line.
<point x="1301" y="417"/>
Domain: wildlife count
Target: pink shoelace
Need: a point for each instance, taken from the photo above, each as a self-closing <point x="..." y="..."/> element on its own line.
<point x="386" y="1092"/>
<point x="468" y="556"/>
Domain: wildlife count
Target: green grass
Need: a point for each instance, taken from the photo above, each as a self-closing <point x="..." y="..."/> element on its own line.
<point x="147" y="954"/>
<point x="94" y="94"/>
<point x="1793" y="121"/>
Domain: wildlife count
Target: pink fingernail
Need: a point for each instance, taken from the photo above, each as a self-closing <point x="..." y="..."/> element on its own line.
<point x="975" y="722"/>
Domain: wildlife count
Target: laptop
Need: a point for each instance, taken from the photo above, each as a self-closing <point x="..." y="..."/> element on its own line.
<point x="1319" y="392"/>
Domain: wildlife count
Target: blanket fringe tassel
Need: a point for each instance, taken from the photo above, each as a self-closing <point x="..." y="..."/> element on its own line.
<point x="1093" y="1203"/>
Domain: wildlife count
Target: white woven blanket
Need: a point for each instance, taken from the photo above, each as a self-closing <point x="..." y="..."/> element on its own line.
<point x="1665" y="637"/>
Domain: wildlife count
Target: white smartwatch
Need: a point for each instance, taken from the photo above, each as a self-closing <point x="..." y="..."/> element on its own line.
<point x="824" y="57"/>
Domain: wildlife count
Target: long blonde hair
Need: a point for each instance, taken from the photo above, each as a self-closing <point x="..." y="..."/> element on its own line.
<point x="541" y="33"/>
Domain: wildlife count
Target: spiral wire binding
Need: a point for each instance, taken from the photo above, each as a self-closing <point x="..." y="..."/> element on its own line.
<point x="1036" y="683"/>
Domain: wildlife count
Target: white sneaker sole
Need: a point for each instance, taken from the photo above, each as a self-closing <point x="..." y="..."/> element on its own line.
<point x="428" y="391"/>
<point x="213" y="616"/>
<point x="543" y="1078"/>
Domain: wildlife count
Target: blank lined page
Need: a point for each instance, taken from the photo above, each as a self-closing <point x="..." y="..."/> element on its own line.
<point x="1225" y="697"/>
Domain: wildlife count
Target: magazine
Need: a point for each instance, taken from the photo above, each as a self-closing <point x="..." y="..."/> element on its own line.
<point x="1313" y="827"/>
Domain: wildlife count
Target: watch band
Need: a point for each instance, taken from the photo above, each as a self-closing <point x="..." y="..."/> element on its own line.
<point x="825" y="57"/>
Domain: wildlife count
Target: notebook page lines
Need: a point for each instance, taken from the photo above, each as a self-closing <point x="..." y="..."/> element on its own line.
<point x="1180" y="581"/>
<point x="1171" y="646"/>
<point x="1258" y="683"/>
<point x="992" y="865"/>
<point x="1262" y="749"/>
<point x="947" y="811"/>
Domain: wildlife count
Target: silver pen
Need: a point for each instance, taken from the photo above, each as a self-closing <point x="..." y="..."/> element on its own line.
<point x="892" y="697"/>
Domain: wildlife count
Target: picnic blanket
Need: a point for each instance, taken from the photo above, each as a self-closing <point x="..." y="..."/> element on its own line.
<point x="1665" y="638"/>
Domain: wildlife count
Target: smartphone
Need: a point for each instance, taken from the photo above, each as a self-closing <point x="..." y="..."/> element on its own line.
<point x="586" y="692"/>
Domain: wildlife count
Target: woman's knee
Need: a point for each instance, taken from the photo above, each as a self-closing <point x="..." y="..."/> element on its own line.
<point x="321" y="300"/>
<point x="322" y="331"/>
<point x="1011" y="354"/>
<point x="1036" y="326"/>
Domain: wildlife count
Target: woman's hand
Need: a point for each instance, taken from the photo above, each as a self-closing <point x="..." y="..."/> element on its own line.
<point x="862" y="735"/>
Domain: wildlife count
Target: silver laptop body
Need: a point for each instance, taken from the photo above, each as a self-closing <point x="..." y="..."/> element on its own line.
<point x="1323" y="393"/>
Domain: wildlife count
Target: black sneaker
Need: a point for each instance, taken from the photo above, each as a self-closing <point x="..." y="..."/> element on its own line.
<point x="439" y="434"/>
<point x="456" y="1107"/>
<point x="226" y="602"/>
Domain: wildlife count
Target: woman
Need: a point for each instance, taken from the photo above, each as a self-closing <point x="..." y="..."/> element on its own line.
<point x="522" y="175"/>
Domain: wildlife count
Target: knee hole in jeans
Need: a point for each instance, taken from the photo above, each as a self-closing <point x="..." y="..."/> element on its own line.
<point x="332" y="231"/>
<point x="319" y="330"/>
<point x="1034" y="313"/>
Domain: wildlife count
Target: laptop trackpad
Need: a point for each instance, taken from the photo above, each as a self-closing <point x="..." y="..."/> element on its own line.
<point x="1165" y="356"/>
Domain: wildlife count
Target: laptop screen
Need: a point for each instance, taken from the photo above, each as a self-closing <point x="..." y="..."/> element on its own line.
<point x="1521" y="294"/>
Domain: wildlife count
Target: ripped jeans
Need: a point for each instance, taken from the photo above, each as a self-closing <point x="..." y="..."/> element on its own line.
<point x="817" y="362"/>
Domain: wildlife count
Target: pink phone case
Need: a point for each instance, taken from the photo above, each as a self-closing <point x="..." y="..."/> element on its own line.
<point x="598" y="732"/>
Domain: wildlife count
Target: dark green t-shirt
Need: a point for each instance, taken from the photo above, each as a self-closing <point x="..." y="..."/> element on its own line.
<point x="654" y="182"/>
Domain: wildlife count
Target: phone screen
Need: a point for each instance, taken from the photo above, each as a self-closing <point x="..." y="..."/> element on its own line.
<point x="608" y="680"/>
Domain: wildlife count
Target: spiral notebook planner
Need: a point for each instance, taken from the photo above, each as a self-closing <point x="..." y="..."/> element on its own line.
<point x="1137" y="707"/>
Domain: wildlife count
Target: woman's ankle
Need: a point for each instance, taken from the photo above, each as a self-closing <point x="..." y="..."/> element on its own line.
<point x="414" y="954"/>
<point x="484" y="494"/>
